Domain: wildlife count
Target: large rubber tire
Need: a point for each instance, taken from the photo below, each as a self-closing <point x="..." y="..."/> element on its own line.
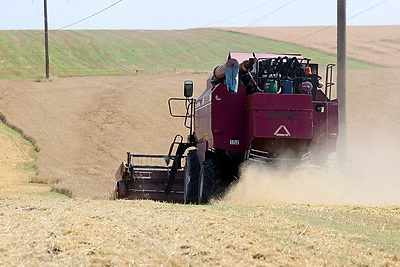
<point x="209" y="179"/>
<point x="120" y="190"/>
<point x="191" y="181"/>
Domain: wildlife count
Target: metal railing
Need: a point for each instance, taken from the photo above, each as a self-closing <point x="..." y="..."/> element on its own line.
<point x="328" y="81"/>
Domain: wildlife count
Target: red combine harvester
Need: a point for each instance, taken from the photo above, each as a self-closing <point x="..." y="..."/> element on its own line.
<point x="267" y="108"/>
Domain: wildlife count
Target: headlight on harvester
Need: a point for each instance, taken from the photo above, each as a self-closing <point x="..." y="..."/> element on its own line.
<point x="188" y="88"/>
<point x="320" y="108"/>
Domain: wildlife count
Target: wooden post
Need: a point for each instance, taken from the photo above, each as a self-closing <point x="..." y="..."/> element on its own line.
<point x="46" y="40"/>
<point x="341" y="77"/>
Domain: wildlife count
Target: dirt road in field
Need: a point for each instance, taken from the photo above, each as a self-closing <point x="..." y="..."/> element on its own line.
<point x="15" y="153"/>
<point x="16" y="167"/>
<point x="84" y="126"/>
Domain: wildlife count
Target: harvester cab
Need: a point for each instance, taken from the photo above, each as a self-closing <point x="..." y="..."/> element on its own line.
<point x="267" y="108"/>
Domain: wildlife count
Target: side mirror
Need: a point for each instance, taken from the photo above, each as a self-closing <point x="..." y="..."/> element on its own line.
<point x="188" y="88"/>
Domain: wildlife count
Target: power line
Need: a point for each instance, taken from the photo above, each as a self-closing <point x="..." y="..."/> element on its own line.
<point x="327" y="27"/>
<point x="223" y="36"/>
<point x="116" y="27"/>
<point x="25" y="19"/>
<point x="270" y="13"/>
<point x="236" y="15"/>
<point x="104" y="9"/>
<point x="367" y="9"/>
<point x="60" y="11"/>
<point x="24" y="15"/>
<point x="308" y="35"/>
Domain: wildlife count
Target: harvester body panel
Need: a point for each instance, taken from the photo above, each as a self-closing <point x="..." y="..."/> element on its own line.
<point x="325" y="128"/>
<point x="279" y="116"/>
<point x="227" y="131"/>
<point x="229" y="127"/>
<point x="202" y="126"/>
<point x="243" y="118"/>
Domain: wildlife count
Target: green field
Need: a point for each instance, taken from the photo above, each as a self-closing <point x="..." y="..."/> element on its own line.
<point x="127" y="52"/>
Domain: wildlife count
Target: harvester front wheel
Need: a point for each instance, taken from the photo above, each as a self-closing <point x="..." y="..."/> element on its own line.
<point x="120" y="190"/>
<point x="210" y="177"/>
<point x="191" y="181"/>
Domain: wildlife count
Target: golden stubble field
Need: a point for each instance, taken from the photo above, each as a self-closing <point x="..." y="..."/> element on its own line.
<point x="83" y="128"/>
<point x="371" y="44"/>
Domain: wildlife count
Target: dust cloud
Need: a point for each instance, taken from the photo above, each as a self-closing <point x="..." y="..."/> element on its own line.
<point x="369" y="176"/>
<point x="370" y="173"/>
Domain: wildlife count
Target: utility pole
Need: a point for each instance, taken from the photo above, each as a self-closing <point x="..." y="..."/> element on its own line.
<point x="46" y="40"/>
<point x="341" y="78"/>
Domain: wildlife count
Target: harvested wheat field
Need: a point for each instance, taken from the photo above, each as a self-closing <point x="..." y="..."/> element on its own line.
<point x="82" y="128"/>
<point x="377" y="45"/>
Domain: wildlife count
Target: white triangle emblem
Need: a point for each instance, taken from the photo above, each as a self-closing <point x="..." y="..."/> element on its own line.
<point x="282" y="131"/>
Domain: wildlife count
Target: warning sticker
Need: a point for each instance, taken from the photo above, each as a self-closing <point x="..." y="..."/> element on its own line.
<point x="282" y="131"/>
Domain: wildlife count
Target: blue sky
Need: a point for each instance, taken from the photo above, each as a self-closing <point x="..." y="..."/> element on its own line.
<point x="181" y="14"/>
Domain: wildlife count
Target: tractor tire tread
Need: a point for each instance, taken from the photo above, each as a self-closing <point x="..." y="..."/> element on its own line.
<point x="191" y="182"/>
<point x="210" y="178"/>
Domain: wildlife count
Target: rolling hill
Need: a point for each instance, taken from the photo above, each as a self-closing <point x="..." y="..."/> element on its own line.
<point x="101" y="52"/>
